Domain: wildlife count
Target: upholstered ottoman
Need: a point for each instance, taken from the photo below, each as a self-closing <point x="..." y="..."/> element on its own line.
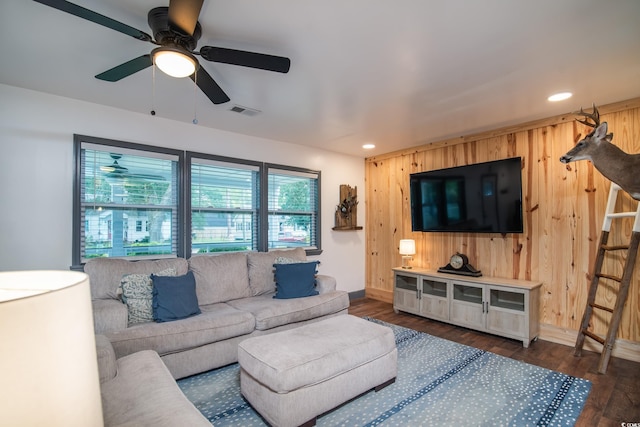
<point x="292" y="377"/>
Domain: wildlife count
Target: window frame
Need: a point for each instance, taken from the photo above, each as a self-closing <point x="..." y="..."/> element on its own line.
<point x="78" y="140"/>
<point x="317" y="250"/>
<point x="183" y="198"/>
<point x="190" y="156"/>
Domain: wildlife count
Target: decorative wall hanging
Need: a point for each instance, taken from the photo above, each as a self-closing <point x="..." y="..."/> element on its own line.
<point x="346" y="215"/>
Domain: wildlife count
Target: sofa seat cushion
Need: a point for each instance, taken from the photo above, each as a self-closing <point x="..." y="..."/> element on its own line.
<point x="271" y="313"/>
<point x="220" y="278"/>
<point x="144" y="393"/>
<point x="217" y="322"/>
<point x="106" y="273"/>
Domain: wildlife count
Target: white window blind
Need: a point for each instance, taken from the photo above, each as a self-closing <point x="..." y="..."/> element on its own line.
<point x="224" y="206"/>
<point x="128" y="202"/>
<point x="293" y="208"/>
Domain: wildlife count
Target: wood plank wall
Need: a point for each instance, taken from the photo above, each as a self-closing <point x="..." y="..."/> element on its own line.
<point x="563" y="208"/>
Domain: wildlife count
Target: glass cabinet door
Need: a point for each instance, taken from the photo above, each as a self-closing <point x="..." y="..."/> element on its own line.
<point x="467" y="306"/>
<point x="434" y="299"/>
<point x="472" y="294"/>
<point x="434" y="287"/>
<point x="506" y="299"/>
<point x="406" y="295"/>
<point x="408" y="283"/>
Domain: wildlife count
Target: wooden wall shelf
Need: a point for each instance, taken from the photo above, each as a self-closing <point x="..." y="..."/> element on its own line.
<point x="346" y="228"/>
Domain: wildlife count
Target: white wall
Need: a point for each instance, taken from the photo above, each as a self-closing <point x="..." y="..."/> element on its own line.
<point x="36" y="171"/>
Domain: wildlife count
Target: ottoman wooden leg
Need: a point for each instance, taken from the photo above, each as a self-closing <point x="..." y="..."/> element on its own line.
<point x="310" y="423"/>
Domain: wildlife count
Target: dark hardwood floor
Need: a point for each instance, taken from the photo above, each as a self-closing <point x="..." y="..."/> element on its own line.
<point x="614" y="398"/>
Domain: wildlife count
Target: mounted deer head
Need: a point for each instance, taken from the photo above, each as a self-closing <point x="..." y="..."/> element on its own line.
<point x="611" y="161"/>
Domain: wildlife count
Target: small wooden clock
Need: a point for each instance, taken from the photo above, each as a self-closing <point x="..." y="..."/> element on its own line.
<point x="459" y="264"/>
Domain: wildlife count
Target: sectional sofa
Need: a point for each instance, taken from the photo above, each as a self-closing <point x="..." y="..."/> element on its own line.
<point x="235" y="296"/>
<point x="229" y="298"/>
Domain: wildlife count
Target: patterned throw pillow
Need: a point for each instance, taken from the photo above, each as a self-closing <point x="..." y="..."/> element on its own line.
<point x="137" y="293"/>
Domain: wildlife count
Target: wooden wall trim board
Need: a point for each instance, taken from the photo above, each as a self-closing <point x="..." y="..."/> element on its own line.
<point x="563" y="208"/>
<point x="623" y="349"/>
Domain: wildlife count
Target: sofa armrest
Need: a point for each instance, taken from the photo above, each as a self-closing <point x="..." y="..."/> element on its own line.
<point x="109" y="315"/>
<point x="107" y="365"/>
<point x="325" y="283"/>
<point x="145" y="394"/>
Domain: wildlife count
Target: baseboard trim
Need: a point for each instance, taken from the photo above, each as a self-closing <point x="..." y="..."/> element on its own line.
<point x="356" y="294"/>
<point x="379" y="294"/>
<point x="623" y="349"/>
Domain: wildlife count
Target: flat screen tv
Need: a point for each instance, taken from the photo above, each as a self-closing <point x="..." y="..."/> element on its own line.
<point x="478" y="198"/>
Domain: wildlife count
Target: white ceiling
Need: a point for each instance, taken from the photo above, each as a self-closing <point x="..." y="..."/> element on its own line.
<point x="393" y="73"/>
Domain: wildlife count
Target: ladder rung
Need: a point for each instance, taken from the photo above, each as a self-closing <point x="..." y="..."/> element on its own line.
<point x="601" y="307"/>
<point x="614" y="247"/>
<point x="621" y="215"/>
<point x="594" y="336"/>
<point x="609" y="276"/>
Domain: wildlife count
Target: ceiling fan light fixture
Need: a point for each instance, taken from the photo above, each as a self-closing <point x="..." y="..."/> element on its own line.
<point x="174" y="62"/>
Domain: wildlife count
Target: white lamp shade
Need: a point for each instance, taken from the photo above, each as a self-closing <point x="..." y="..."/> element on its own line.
<point x="48" y="362"/>
<point x="407" y="247"/>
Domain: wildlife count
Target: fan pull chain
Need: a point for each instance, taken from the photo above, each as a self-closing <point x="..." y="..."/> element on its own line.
<point x="195" y="85"/>
<point x="153" y="89"/>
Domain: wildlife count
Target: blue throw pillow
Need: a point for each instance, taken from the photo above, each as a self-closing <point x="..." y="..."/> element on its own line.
<point x="295" y="280"/>
<point x="174" y="297"/>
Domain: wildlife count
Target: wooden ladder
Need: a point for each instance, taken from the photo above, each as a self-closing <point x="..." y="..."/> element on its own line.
<point x="625" y="281"/>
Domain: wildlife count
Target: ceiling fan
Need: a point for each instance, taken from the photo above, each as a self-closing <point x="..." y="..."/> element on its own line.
<point x="176" y="32"/>
<point x="115" y="170"/>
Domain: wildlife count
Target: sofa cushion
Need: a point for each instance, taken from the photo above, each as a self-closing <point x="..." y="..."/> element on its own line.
<point x="295" y="280"/>
<point x="137" y="294"/>
<point x="220" y="278"/>
<point x="261" y="271"/>
<point x="271" y="313"/>
<point x="105" y="273"/>
<point x="217" y="322"/>
<point x="174" y="298"/>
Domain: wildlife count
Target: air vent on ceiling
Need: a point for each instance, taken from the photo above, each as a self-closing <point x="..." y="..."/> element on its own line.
<point x="244" y="110"/>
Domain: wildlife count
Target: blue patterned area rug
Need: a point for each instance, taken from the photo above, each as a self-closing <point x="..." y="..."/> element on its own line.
<point x="439" y="383"/>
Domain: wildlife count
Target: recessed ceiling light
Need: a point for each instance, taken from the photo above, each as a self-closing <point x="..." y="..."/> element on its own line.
<point x="368" y="146"/>
<point x="560" y="96"/>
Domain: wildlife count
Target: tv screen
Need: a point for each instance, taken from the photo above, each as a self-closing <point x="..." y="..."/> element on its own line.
<point x="480" y="198"/>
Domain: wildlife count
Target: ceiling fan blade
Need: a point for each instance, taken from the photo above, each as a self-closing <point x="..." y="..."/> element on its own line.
<point x="210" y="88"/>
<point x="126" y="69"/>
<point x="246" y="59"/>
<point x="183" y="15"/>
<point x="92" y="16"/>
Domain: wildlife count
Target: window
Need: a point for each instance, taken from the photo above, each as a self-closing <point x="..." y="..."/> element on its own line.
<point x="224" y="204"/>
<point x="127" y="200"/>
<point x="138" y="201"/>
<point x="293" y="208"/>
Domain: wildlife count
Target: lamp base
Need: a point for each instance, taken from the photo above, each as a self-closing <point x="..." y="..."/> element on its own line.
<point x="405" y="262"/>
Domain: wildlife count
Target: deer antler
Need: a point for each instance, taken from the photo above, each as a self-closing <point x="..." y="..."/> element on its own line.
<point x="595" y="116"/>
